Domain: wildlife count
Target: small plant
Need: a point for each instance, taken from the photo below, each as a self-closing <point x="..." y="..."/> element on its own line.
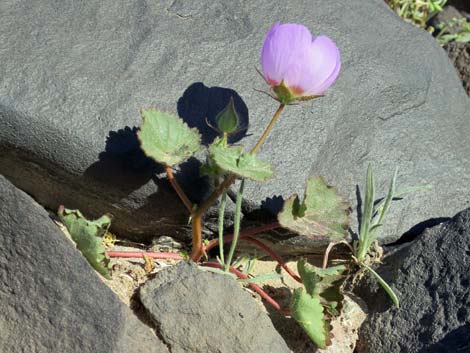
<point x="418" y="12"/>
<point x="455" y="30"/>
<point x="297" y="67"/>
<point x="373" y="215"/>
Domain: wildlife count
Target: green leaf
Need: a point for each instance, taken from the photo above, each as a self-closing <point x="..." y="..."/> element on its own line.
<point x="239" y="162"/>
<point x="325" y="282"/>
<point x="322" y="213"/>
<point x="383" y="209"/>
<point x="166" y="138"/>
<point x="88" y="237"/>
<point x="463" y="38"/>
<point x="218" y="271"/>
<point x="308" y="312"/>
<point x="384" y="285"/>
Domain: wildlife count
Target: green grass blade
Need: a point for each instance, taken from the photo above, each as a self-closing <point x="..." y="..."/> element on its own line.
<point x="388" y="199"/>
<point x="403" y="192"/>
<point x="384" y="285"/>
<point x="223" y="202"/>
<point x="366" y="215"/>
<point x="261" y="278"/>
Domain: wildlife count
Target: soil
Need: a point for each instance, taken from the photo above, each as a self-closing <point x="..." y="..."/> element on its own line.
<point x="459" y="53"/>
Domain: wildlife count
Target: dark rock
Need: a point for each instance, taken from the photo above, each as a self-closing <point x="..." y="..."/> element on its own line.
<point x="198" y="311"/>
<point x="462" y="5"/>
<point x="432" y="279"/>
<point x="459" y="54"/>
<point x="74" y="75"/>
<point x="447" y="14"/>
<point x="51" y="300"/>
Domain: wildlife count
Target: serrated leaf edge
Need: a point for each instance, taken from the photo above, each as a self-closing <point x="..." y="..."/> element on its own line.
<point x="141" y="110"/>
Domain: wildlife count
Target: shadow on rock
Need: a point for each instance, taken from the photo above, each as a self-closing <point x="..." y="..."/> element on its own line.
<point x="456" y="341"/>
<point x="273" y="205"/>
<point x="199" y="103"/>
<point x="197" y="188"/>
<point x="123" y="165"/>
<point x="419" y="228"/>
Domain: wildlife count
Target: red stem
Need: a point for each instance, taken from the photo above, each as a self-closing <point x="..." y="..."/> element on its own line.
<point x="246" y="235"/>
<point x="178" y="189"/>
<point x="140" y="254"/>
<point x="243" y="234"/>
<point x="254" y="286"/>
<point x="274" y="255"/>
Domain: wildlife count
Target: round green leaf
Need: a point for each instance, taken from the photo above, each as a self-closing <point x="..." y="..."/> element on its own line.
<point x="237" y="161"/>
<point x="166" y="138"/>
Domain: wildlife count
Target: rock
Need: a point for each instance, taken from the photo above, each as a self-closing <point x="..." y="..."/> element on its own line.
<point x="198" y="311"/>
<point x="432" y="279"/>
<point x="462" y="5"/>
<point x="459" y="54"/>
<point x="346" y="326"/>
<point x="51" y="300"/>
<point x="447" y="14"/>
<point x="74" y="76"/>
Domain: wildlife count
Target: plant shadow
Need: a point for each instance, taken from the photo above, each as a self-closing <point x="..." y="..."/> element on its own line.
<point x="123" y="165"/>
<point x="199" y="105"/>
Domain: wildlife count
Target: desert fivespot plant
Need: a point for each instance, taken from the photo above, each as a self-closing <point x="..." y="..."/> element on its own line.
<point x="297" y="66"/>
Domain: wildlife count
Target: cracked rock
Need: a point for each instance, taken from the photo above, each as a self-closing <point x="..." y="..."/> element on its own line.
<point x="202" y="312"/>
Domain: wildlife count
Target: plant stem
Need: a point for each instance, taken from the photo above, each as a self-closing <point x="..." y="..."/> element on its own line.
<point x="236" y="226"/>
<point x="197" y="215"/>
<point x="178" y="189"/>
<point x="268" y="128"/>
<point x="330" y="246"/>
<point x="140" y="254"/>
<point x="197" y="250"/>
<point x="223" y="202"/>
<point x="254" y="286"/>
<point x="243" y="234"/>
<point x="274" y="256"/>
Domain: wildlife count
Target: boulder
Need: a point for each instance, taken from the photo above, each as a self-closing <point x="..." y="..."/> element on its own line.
<point x="432" y="279"/>
<point x="198" y="311"/>
<point x="51" y="300"/>
<point x="74" y="76"/>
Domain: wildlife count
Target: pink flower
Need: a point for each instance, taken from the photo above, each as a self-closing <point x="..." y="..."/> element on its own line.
<point x="297" y="65"/>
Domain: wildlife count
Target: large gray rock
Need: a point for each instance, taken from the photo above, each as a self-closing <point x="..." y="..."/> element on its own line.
<point x="74" y="75"/>
<point x="51" y="300"/>
<point x="198" y="311"/>
<point x="432" y="279"/>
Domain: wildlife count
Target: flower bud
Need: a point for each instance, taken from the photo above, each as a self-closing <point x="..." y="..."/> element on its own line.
<point x="227" y="119"/>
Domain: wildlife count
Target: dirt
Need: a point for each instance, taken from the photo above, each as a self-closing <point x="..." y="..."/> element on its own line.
<point x="128" y="275"/>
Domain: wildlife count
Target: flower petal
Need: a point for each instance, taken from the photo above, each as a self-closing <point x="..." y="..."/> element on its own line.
<point x="283" y="45"/>
<point x="320" y="66"/>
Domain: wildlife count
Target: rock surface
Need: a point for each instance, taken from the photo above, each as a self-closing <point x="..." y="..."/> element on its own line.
<point x="51" y="300"/>
<point x="74" y="75"/>
<point x="432" y="279"/>
<point x="198" y="311"/>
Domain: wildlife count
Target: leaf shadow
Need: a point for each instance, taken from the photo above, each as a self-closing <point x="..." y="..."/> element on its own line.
<point x="199" y="105"/>
<point x="122" y="166"/>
